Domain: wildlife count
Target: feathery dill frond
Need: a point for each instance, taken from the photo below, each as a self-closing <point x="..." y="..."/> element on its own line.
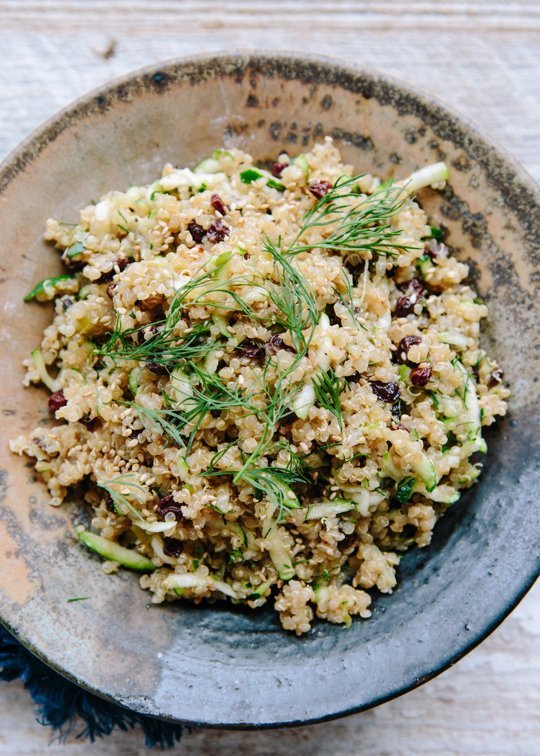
<point x="272" y="483"/>
<point x="162" y="345"/>
<point x="180" y="421"/>
<point x="347" y="300"/>
<point x="116" y="488"/>
<point x="292" y="297"/>
<point x="162" y="348"/>
<point x="354" y="223"/>
<point x="166" y="422"/>
<point x="328" y="388"/>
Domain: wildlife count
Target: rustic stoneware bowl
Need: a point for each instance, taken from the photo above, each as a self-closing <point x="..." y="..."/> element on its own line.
<point x="221" y="666"/>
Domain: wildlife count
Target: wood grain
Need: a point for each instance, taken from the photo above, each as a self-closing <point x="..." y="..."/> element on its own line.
<point x="483" y="58"/>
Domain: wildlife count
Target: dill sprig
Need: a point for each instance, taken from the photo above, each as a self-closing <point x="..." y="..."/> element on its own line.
<point x="347" y="300"/>
<point x="119" y="498"/>
<point x="269" y="398"/>
<point x="180" y="421"/>
<point x="272" y="483"/>
<point x="297" y="312"/>
<point x="167" y="422"/>
<point x="162" y="345"/>
<point x="278" y="399"/>
<point x="275" y="483"/>
<point x="354" y="223"/>
<point x="293" y="299"/>
<point x="211" y="394"/>
<point x="328" y="388"/>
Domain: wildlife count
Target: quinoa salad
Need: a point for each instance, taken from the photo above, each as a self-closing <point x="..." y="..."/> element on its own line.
<point x="266" y="383"/>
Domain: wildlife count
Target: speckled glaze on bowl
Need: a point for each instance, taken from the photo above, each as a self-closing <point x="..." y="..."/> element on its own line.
<point x="215" y="665"/>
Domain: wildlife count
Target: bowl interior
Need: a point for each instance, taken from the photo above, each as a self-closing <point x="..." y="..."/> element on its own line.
<point x="217" y="665"/>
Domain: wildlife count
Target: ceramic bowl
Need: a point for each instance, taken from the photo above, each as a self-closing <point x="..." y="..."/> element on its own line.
<point x="217" y="665"/>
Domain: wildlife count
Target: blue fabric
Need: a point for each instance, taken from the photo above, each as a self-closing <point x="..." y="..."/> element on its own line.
<point x="66" y="708"/>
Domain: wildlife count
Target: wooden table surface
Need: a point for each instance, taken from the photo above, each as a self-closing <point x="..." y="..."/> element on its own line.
<point x="483" y="58"/>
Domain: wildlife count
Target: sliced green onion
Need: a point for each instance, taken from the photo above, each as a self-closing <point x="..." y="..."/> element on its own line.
<point x="426" y="470"/>
<point x="181" y="390"/>
<point x="134" y="380"/>
<point x="211" y="361"/>
<point x="211" y="164"/>
<point x="304" y="401"/>
<point x="302" y="162"/>
<point x="75" y="250"/>
<point x="220" y="321"/>
<point x="259" y="591"/>
<point x="427" y="176"/>
<point x="84" y="292"/>
<point x="181" y="466"/>
<point x="39" y="288"/>
<point x="280" y="554"/>
<point x="404" y="373"/>
<point x="454" y="338"/>
<point x="250" y="175"/>
<point x="275" y="184"/>
<point x="470" y="400"/>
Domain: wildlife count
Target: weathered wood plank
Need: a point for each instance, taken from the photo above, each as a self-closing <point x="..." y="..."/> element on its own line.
<point x="492" y="14"/>
<point x="493" y="77"/>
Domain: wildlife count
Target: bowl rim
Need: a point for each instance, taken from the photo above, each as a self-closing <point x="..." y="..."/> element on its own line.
<point x="31" y="145"/>
<point x="47" y="131"/>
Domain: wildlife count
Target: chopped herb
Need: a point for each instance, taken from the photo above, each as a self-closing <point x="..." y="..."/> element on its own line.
<point x="78" y="598"/>
<point x="451" y="441"/>
<point x="165" y="347"/>
<point x="405" y="490"/>
<point x="274" y="184"/>
<point x="424" y="263"/>
<point x="274" y="483"/>
<point x="250" y="175"/>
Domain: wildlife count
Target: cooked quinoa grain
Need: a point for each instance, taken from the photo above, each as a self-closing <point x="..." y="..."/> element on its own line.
<point x="269" y="384"/>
